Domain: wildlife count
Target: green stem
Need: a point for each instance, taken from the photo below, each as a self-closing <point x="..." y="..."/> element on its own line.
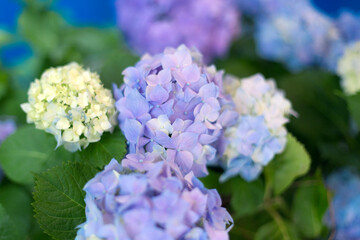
<point x="279" y="221"/>
<point x="268" y="185"/>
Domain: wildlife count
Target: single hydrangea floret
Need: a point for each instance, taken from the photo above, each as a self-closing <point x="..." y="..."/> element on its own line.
<point x="259" y="133"/>
<point x="172" y="103"/>
<point x="171" y="23"/>
<point x="349" y="69"/>
<point x="72" y="104"/>
<point x="121" y="204"/>
<point x="344" y="215"/>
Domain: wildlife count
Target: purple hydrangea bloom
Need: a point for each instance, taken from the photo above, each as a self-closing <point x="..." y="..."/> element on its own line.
<point x="174" y="22"/>
<point x="121" y="204"/>
<point x="344" y="212"/>
<point x="7" y="127"/>
<point x="252" y="147"/>
<point x="171" y="104"/>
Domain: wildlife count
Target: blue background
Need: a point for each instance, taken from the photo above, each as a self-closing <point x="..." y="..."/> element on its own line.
<point x="101" y="13"/>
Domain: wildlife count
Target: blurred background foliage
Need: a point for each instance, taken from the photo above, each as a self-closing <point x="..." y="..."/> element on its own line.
<point x="35" y="35"/>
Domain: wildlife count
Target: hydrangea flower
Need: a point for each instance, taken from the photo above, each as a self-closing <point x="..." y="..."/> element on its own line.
<point x="259" y="133"/>
<point x="7" y="127"/>
<point x="349" y="69"/>
<point x="171" y="103"/>
<point x="174" y="22"/>
<point x="72" y="104"/>
<point x="295" y="33"/>
<point x="298" y="38"/>
<point x="121" y="204"/>
<point x="349" y="26"/>
<point x="344" y="213"/>
<point x="260" y="8"/>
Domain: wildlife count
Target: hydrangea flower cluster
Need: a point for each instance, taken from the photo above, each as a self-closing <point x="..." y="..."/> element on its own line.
<point x="171" y="104"/>
<point x="171" y="23"/>
<point x="7" y="127"/>
<point x="129" y="205"/>
<point x="259" y="133"/>
<point x="344" y="213"/>
<point x="72" y="104"/>
<point x="349" y="69"/>
<point x="299" y="38"/>
<point x="296" y="33"/>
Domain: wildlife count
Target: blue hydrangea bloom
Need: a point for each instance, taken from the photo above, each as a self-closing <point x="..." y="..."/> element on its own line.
<point x="259" y="132"/>
<point x="171" y="104"/>
<point x="344" y="213"/>
<point x="7" y="127"/>
<point x="154" y="205"/>
<point x="295" y="33"/>
<point x="253" y="146"/>
<point x="171" y="23"/>
<point x="265" y="7"/>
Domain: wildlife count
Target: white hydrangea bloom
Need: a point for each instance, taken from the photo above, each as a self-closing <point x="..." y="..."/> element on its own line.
<point x="72" y="104"/>
<point x="349" y="69"/>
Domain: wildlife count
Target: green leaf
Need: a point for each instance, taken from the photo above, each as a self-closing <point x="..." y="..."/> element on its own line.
<point x="16" y="201"/>
<point x="272" y="231"/>
<point x="4" y="84"/>
<point x="29" y="151"/>
<point x="309" y="206"/>
<point x="5" y="38"/>
<point x="59" y="200"/>
<point x="287" y="166"/>
<point x="247" y="197"/>
<point x="114" y="64"/>
<point x="42" y="28"/>
<point x="100" y="153"/>
<point x="8" y="229"/>
<point x="212" y="180"/>
<point x="323" y="115"/>
<point x="10" y="105"/>
<point x="353" y="102"/>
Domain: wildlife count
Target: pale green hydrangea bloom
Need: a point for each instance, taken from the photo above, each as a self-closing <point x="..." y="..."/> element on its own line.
<point x="72" y="104"/>
<point x="349" y="69"/>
